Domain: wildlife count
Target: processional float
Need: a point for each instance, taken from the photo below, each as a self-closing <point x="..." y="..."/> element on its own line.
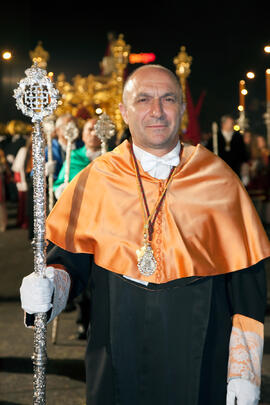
<point x="37" y="98"/>
<point x="101" y="92"/>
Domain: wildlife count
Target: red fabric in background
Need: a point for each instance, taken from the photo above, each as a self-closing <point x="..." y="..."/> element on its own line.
<point x="22" y="219"/>
<point x="193" y="133"/>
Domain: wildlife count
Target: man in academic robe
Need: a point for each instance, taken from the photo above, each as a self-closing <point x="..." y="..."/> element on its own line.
<point x="231" y="146"/>
<point x="175" y="253"/>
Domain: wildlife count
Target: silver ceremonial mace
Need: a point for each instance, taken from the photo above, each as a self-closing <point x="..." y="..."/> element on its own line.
<point x="49" y="128"/>
<point x="71" y="133"/>
<point x="36" y="97"/>
<point x="105" y="129"/>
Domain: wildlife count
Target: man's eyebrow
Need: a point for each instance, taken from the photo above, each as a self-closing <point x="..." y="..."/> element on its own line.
<point x="169" y="93"/>
<point x="143" y="94"/>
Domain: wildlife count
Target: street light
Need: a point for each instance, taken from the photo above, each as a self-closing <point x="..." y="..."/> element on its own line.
<point x="250" y="75"/>
<point x="6" y="55"/>
<point x="267" y="49"/>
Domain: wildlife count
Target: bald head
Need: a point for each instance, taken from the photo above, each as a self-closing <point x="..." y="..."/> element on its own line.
<point x="139" y="74"/>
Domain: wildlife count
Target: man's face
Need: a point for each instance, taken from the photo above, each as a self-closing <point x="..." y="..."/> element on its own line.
<point x="261" y="142"/>
<point x="152" y="109"/>
<point x="89" y="137"/>
<point x="228" y="125"/>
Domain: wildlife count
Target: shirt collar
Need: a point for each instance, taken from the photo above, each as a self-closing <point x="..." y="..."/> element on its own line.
<point x="141" y="154"/>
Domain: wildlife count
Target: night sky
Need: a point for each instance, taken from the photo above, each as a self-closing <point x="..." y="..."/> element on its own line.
<point x="225" y="42"/>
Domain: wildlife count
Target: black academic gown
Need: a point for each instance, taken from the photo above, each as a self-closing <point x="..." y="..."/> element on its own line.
<point x="162" y="344"/>
<point x="237" y="154"/>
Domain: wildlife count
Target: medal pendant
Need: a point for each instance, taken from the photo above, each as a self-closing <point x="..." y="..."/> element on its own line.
<point x="146" y="261"/>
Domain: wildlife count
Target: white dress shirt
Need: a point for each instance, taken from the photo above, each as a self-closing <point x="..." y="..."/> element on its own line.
<point x="158" y="167"/>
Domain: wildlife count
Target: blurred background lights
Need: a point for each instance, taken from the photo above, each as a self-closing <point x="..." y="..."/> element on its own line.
<point x="98" y="110"/>
<point x="250" y="75"/>
<point x="6" y="55"/>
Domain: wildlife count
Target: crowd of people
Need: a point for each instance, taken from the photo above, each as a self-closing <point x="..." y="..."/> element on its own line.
<point x="248" y="155"/>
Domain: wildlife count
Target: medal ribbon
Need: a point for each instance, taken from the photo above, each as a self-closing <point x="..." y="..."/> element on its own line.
<point x="149" y="222"/>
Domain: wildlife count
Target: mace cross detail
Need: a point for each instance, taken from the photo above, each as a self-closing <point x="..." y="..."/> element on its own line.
<point x="36" y="96"/>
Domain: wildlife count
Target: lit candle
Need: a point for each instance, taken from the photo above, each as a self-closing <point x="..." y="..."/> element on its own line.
<point x="241" y="93"/>
<point x="267" y="77"/>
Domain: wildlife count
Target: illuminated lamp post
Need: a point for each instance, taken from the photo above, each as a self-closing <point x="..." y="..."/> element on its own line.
<point x="242" y="120"/>
<point x="6" y="55"/>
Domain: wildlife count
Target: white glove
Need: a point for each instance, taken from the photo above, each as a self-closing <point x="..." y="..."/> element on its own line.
<point x="59" y="190"/>
<point x="36" y="293"/>
<point x="245" y="392"/>
<point x="50" y="167"/>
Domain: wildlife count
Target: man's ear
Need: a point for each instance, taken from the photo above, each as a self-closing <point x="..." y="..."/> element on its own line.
<point x="123" y="111"/>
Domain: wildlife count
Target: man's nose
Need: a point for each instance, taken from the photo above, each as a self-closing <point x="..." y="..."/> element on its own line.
<point x="157" y="108"/>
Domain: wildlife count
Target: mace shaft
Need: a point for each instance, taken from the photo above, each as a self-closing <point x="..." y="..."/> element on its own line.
<point x="39" y="247"/>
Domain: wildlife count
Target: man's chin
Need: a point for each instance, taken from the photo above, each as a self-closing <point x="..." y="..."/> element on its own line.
<point x="159" y="141"/>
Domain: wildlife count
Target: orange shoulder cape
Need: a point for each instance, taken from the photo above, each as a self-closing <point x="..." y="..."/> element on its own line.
<point x="207" y="224"/>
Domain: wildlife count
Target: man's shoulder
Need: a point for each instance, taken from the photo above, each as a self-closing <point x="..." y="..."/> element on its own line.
<point x="212" y="165"/>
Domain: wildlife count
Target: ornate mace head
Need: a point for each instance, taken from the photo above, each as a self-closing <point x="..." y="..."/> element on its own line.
<point x="36" y="97"/>
<point x="105" y="128"/>
<point x="71" y="131"/>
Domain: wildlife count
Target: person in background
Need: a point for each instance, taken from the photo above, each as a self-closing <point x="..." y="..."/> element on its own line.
<point x="258" y="183"/>
<point x="59" y="144"/>
<point x="231" y="146"/>
<point x="79" y="159"/>
<point x="16" y="140"/>
<point x="18" y="168"/>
